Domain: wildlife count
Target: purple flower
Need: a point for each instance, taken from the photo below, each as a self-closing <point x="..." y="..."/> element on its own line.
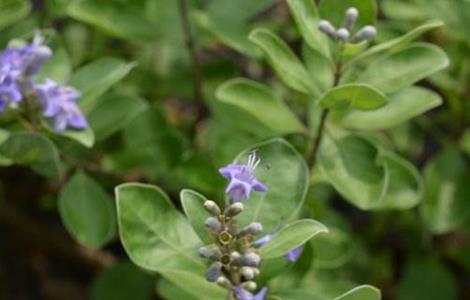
<point x="292" y="255"/>
<point x="59" y="103"/>
<point x="17" y="65"/>
<point x="242" y="179"/>
<point x="245" y="295"/>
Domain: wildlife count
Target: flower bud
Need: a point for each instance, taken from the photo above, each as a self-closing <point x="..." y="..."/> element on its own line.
<point x="211" y="251"/>
<point x="366" y="33"/>
<point x="214" y="271"/>
<point x="233" y="209"/>
<point x="224" y="282"/>
<point x="214" y="224"/>
<point x="350" y="18"/>
<point x="327" y="28"/>
<point x="253" y="229"/>
<point x="235" y="255"/>
<point x="249" y="285"/>
<point x="342" y="34"/>
<point x="249" y="260"/>
<point x="249" y="273"/>
<point x="212" y="207"/>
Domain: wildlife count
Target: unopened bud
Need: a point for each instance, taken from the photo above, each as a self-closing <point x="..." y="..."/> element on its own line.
<point x="235" y="255"/>
<point x="224" y="282"/>
<point x="211" y="251"/>
<point x="233" y="209"/>
<point x="214" y="271"/>
<point x="212" y="207"/>
<point x="342" y="34"/>
<point x="248" y="260"/>
<point x="249" y="285"/>
<point x="350" y="18"/>
<point x="366" y="33"/>
<point x="214" y="224"/>
<point x="248" y="273"/>
<point x="327" y="28"/>
<point x="253" y="229"/>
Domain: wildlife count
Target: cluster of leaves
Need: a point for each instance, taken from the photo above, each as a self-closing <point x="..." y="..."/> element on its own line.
<point x="330" y="122"/>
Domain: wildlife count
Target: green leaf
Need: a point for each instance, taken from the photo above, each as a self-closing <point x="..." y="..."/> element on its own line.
<point x="34" y="150"/>
<point x="305" y="13"/>
<point x="12" y="11"/>
<point x="87" y="211"/>
<point x="427" y="279"/>
<point x="95" y="78"/>
<point x="85" y="137"/>
<point x="465" y="141"/>
<point x="285" y="173"/>
<point x="290" y="237"/>
<point x="401" y="107"/>
<point x="114" y="112"/>
<point x="319" y="67"/>
<point x="195" y="285"/>
<point x="445" y="206"/>
<point x="403" y="68"/>
<point x="367" y="175"/>
<point x="169" y="291"/>
<point x="285" y="63"/>
<point x="4" y="161"/>
<point x="333" y="11"/>
<point x="122" y="281"/>
<point x="356" y="96"/>
<point x="58" y="67"/>
<point x="154" y="234"/>
<point x="122" y="21"/>
<point x="193" y="206"/>
<point x="260" y="103"/>
<point x="401" y="41"/>
<point x="332" y="250"/>
<point x="363" y="292"/>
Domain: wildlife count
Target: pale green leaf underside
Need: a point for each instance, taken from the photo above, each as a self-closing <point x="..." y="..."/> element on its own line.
<point x="355" y="96"/>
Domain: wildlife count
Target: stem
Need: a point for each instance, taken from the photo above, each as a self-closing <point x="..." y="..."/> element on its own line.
<point x="196" y="69"/>
<point x="312" y="156"/>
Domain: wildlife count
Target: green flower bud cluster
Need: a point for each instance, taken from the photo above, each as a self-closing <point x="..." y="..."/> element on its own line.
<point x="234" y="260"/>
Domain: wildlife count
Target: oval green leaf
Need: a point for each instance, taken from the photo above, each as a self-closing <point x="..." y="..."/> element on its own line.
<point x="403" y="68"/>
<point x="87" y="211"/>
<point x="356" y="96"/>
<point x="260" y="103"/>
<point x="285" y="63"/>
<point x="291" y="236"/>
<point x="401" y="107"/>
<point x="363" y="292"/>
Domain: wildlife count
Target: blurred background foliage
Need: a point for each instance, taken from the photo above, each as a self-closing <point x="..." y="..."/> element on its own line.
<point x="156" y="118"/>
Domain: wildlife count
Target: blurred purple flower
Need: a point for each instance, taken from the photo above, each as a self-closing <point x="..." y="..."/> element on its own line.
<point x="242" y="179"/>
<point x="292" y="255"/>
<point x="17" y="65"/>
<point x="245" y="295"/>
<point x="59" y="103"/>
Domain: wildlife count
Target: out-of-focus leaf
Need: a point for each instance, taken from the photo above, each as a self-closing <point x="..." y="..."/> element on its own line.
<point x="355" y="96"/>
<point x="122" y="281"/>
<point x="285" y="63"/>
<point x="445" y="206"/>
<point x="171" y="292"/>
<point x="116" y="19"/>
<point x="319" y="67"/>
<point x="400" y="41"/>
<point x="401" y="107"/>
<point x="285" y="173"/>
<point x="87" y="211"/>
<point x="86" y="137"/>
<point x="427" y="279"/>
<point x="193" y="206"/>
<point x="260" y="103"/>
<point x="58" y="67"/>
<point x="11" y="11"/>
<point x="32" y="149"/>
<point x="465" y="142"/>
<point x="333" y="10"/>
<point x="367" y="175"/>
<point x="95" y="78"/>
<point x="291" y="236"/>
<point x="403" y="68"/>
<point x="114" y="112"/>
<point x="305" y="13"/>
<point x="363" y="292"/>
<point x="332" y="250"/>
